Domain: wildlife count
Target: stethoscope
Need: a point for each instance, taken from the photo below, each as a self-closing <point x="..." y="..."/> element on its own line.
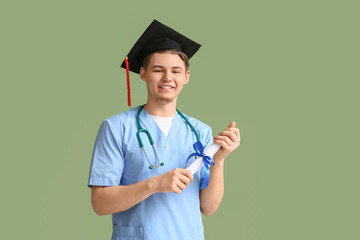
<point x="141" y="129"/>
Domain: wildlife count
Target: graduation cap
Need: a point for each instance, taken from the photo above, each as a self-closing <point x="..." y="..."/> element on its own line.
<point x="155" y="38"/>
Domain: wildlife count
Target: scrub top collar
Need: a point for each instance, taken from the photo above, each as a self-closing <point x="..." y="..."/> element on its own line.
<point x="158" y="136"/>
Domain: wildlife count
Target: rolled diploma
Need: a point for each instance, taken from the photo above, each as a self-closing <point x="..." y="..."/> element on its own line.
<point x="198" y="163"/>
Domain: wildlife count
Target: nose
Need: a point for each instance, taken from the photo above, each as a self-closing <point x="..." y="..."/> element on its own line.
<point x="167" y="75"/>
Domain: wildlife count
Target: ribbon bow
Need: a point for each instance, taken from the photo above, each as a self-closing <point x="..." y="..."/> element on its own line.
<point x="199" y="152"/>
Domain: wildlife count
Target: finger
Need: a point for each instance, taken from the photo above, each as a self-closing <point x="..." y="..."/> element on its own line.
<point x="232" y="124"/>
<point x="237" y="133"/>
<point x="235" y="130"/>
<point x="177" y="190"/>
<point x="230" y="134"/>
<point x="228" y="141"/>
<point x="185" y="176"/>
<point x="223" y="144"/>
<point x="185" y="180"/>
<point x="187" y="173"/>
<point x="181" y="185"/>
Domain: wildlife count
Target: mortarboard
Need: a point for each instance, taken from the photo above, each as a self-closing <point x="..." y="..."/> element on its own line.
<point x="156" y="37"/>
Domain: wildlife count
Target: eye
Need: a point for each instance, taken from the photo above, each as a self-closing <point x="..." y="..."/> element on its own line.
<point x="175" y="72"/>
<point x="157" y="70"/>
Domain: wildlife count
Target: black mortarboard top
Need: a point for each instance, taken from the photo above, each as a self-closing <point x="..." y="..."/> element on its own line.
<point x="158" y="37"/>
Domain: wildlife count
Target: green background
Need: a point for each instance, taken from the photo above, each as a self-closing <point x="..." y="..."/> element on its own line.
<point x="286" y="71"/>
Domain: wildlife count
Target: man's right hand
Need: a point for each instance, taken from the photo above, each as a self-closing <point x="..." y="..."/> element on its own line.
<point x="175" y="180"/>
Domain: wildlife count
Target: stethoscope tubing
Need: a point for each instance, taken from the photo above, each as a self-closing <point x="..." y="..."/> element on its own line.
<point x="143" y="130"/>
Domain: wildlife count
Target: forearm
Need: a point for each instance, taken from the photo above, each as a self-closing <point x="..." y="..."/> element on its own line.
<point x="109" y="200"/>
<point x="210" y="197"/>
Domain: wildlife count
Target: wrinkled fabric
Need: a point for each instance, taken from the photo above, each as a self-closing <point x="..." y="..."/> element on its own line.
<point x="118" y="160"/>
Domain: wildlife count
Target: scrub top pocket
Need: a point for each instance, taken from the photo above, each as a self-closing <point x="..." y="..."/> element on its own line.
<point x="128" y="233"/>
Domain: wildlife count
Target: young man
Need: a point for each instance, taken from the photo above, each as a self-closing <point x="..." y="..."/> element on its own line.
<point x="140" y="178"/>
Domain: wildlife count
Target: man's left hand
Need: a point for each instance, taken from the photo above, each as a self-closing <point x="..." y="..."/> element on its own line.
<point x="229" y="140"/>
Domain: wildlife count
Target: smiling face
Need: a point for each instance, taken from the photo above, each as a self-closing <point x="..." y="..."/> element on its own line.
<point x="165" y="77"/>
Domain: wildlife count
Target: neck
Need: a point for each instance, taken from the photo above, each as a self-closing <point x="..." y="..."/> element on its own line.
<point x="161" y="109"/>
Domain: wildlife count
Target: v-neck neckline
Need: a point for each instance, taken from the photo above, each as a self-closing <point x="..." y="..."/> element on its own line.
<point x="154" y="128"/>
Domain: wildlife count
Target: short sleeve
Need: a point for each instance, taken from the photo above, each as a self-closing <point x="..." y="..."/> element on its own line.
<point x="107" y="163"/>
<point x="207" y="137"/>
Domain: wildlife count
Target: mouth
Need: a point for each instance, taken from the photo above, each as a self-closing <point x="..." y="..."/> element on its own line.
<point x="166" y="87"/>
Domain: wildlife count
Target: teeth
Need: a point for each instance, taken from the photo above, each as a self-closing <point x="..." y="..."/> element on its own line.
<point x="168" y="87"/>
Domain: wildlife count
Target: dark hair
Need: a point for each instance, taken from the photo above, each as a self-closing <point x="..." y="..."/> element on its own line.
<point x="172" y="51"/>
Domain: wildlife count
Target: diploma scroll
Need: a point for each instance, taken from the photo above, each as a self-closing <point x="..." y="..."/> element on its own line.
<point x="198" y="163"/>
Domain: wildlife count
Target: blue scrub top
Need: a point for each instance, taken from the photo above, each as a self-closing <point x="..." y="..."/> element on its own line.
<point x="118" y="160"/>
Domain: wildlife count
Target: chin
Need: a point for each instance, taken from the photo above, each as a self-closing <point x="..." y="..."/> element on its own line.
<point x="166" y="100"/>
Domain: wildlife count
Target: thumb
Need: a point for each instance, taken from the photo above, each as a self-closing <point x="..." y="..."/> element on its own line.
<point x="232" y="125"/>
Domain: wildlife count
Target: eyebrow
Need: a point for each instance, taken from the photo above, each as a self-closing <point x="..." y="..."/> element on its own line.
<point x="159" y="66"/>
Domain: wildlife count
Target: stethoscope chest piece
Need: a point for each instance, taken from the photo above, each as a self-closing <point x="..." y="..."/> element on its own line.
<point x="157" y="158"/>
<point x="152" y="166"/>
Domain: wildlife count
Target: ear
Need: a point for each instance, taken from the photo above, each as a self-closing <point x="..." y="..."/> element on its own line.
<point x="143" y="74"/>
<point x="187" y="76"/>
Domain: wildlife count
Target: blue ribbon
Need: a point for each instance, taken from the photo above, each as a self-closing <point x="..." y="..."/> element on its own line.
<point x="199" y="152"/>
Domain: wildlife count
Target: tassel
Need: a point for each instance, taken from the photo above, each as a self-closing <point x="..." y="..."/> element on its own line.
<point x="128" y="81"/>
